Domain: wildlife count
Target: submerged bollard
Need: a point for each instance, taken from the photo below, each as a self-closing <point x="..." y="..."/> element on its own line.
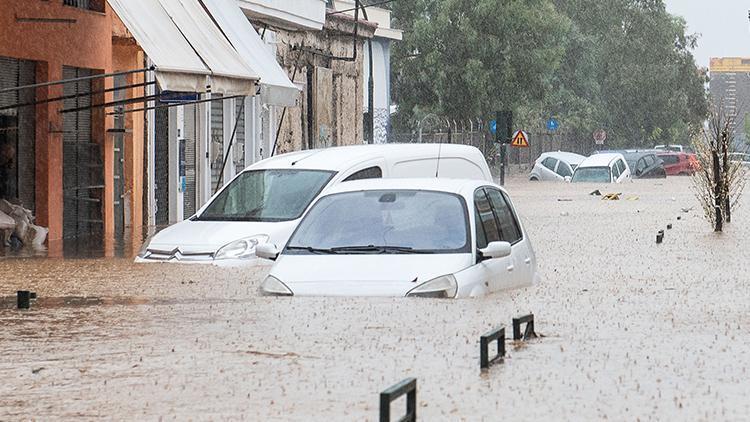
<point x="408" y="387"/>
<point x="660" y="236"/>
<point x="24" y="299"/>
<point x="528" y="332"/>
<point x="669" y="226"/>
<point x="497" y="335"/>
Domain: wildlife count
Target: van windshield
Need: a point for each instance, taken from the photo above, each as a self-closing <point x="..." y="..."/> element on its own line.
<point x="592" y="175"/>
<point x="267" y="195"/>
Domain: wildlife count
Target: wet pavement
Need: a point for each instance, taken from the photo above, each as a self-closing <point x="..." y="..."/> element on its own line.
<point x="631" y="330"/>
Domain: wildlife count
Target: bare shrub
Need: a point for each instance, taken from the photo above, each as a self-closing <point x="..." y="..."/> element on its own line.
<point x="720" y="181"/>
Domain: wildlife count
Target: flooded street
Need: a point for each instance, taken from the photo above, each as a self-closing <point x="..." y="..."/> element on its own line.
<point x="630" y="330"/>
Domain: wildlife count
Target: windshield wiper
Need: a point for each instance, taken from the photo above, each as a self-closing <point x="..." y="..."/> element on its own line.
<point x="311" y="249"/>
<point x="378" y="249"/>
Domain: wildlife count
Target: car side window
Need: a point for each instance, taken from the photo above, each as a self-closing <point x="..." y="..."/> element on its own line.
<point x="509" y="228"/>
<point x="550" y="163"/>
<point x="641" y="165"/>
<point x="650" y="160"/>
<point x="374" y="172"/>
<point x="486" y="222"/>
<point x="564" y="170"/>
<point x="616" y="170"/>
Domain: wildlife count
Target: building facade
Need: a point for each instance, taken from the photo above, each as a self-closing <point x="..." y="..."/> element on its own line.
<point x="730" y="89"/>
<point x="380" y="45"/>
<point x="76" y="167"/>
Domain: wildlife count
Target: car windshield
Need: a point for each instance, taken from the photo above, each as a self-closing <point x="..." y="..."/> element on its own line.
<point x="592" y="174"/>
<point x="267" y="195"/>
<point x="384" y="221"/>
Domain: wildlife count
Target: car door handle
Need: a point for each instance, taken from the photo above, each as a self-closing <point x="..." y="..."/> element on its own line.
<point x="511" y="268"/>
<point x="527" y="261"/>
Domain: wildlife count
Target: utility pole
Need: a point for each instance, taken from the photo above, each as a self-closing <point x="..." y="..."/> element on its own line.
<point x="503" y="133"/>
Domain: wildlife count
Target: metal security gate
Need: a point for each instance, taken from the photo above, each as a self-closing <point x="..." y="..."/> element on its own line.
<point x="17" y="133"/>
<point x="239" y="136"/>
<point x="83" y="169"/>
<point x="161" y="166"/>
<point x="191" y="137"/>
<point x="217" y="140"/>
<point x="118" y="133"/>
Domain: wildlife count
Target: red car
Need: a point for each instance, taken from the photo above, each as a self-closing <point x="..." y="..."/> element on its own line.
<point x="679" y="163"/>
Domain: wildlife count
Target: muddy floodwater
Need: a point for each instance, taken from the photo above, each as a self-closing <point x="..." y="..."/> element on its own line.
<point x="631" y="330"/>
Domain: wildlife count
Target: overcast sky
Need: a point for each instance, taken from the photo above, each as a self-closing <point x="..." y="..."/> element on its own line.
<point x="722" y="24"/>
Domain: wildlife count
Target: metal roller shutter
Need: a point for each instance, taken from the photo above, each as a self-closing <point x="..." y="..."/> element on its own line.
<point x="161" y="164"/>
<point x="191" y="136"/>
<point x="17" y="133"/>
<point x="217" y="140"/>
<point x="83" y="170"/>
<point x="239" y="137"/>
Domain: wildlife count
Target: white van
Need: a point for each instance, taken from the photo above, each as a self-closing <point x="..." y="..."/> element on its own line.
<point x="265" y="202"/>
<point x="603" y="168"/>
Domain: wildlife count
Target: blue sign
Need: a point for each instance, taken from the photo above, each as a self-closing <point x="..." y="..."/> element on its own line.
<point x="493" y="126"/>
<point x="173" y="97"/>
<point x="553" y="124"/>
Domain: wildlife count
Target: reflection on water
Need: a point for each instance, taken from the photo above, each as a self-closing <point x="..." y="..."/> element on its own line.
<point x="96" y="245"/>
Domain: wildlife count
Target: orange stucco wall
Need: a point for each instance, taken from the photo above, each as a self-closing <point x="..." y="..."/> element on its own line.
<point x="33" y="30"/>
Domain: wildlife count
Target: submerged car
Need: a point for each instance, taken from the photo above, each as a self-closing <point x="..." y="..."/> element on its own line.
<point x="645" y="165"/>
<point x="416" y="237"/>
<point x="679" y="163"/>
<point x="266" y="201"/>
<point x="602" y="168"/>
<point x="551" y="166"/>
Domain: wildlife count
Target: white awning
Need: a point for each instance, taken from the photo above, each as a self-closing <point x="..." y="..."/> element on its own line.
<point x="178" y="66"/>
<point x="230" y="74"/>
<point x="189" y="51"/>
<point x="276" y="88"/>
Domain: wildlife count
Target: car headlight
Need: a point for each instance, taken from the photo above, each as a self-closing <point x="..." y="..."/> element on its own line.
<point x="243" y="248"/>
<point x="272" y="286"/>
<point x="441" y="287"/>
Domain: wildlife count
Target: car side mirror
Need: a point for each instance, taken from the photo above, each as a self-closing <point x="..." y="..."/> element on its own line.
<point x="267" y="251"/>
<point x="567" y="179"/>
<point x="495" y="250"/>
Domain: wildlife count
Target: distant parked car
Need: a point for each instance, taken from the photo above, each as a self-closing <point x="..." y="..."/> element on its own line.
<point x="740" y="157"/>
<point x="645" y="165"/>
<point x="679" y="163"/>
<point x="602" y="168"/>
<point x="675" y="148"/>
<point x="555" y="166"/>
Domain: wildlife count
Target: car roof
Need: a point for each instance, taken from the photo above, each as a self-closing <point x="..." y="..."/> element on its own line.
<point x="343" y="157"/>
<point x="433" y="184"/>
<point x="600" y="160"/>
<point x="569" y="157"/>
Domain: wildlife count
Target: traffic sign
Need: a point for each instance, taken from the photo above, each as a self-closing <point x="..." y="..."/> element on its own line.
<point x="493" y="127"/>
<point x="520" y="139"/>
<point x="600" y="136"/>
<point x="552" y="124"/>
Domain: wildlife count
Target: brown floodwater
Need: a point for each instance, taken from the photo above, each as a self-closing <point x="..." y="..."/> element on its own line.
<point x="630" y="330"/>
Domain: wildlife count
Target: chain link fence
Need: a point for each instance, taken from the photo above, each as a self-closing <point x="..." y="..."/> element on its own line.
<point x="434" y="129"/>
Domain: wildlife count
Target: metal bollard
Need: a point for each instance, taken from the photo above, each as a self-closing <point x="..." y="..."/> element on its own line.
<point x="24" y="299"/>
<point x="669" y="226"/>
<point x="408" y="387"/>
<point x="528" y="332"/>
<point x="484" y="343"/>
<point x="660" y="236"/>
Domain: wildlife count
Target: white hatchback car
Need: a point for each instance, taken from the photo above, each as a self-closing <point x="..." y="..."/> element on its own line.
<point x="555" y="166"/>
<point x="603" y="168"/>
<point x="266" y="201"/>
<point x="408" y="237"/>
